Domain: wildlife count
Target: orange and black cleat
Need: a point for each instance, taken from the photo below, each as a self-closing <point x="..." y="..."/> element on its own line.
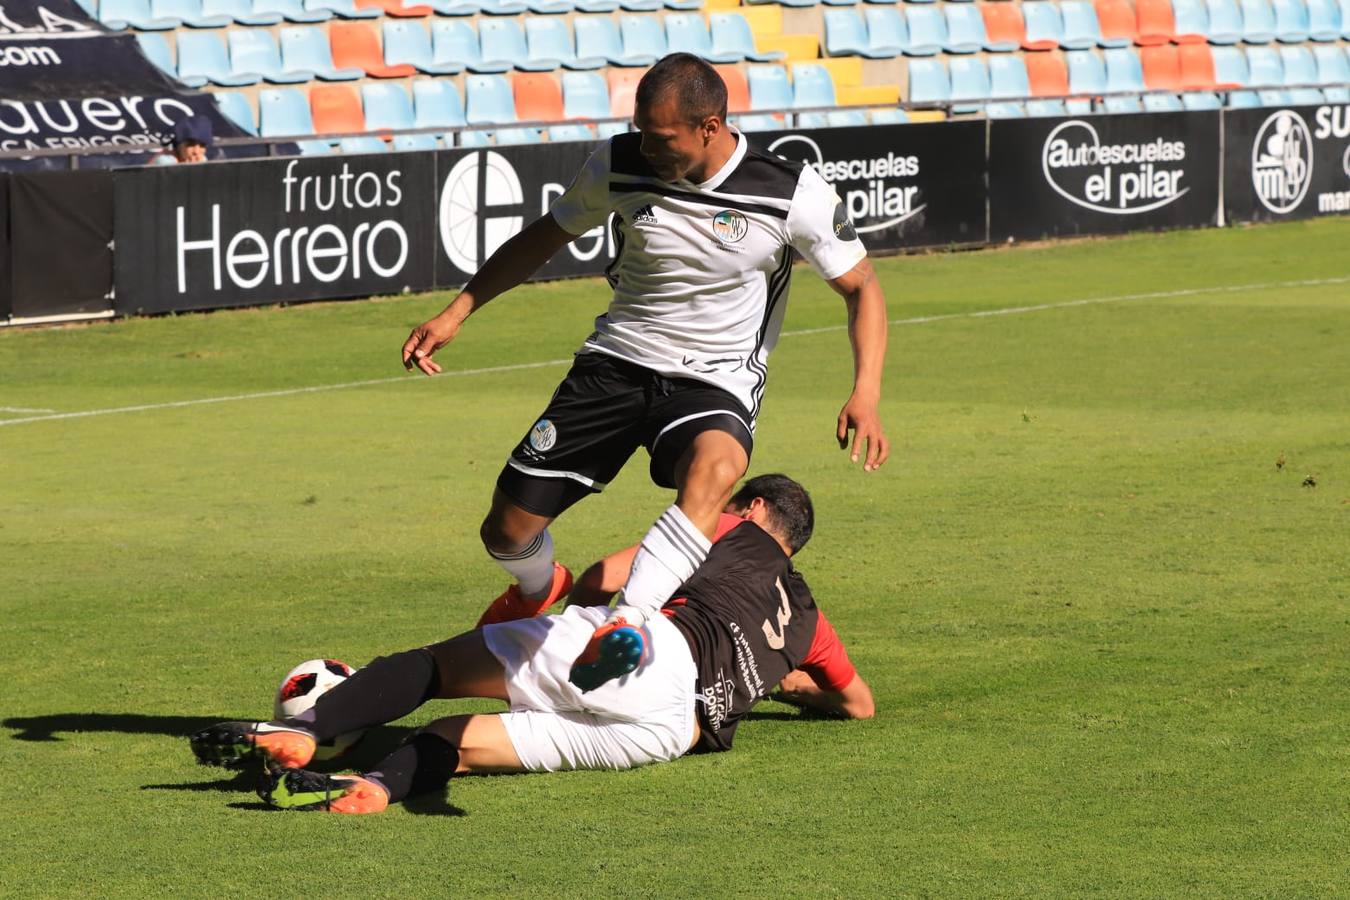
<point x="613" y="651"/>
<point x="231" y="744"/>
<point x="304" y="790"/>
<point x="511" y="606"/>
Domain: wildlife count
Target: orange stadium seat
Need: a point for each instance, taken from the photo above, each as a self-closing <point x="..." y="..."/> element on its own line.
<point x="738" y="90"/>
<point x="1197" y="68"/>
<point x="395" y="8"/>
<point x="538" y="97"/>
<point x="1162" y="68"/>
<point x="1003" y="24"/>
<point x="356" y="45"/>
<point x="1155" y="21"/>
<point x="1048" y="74"/>
<point x="622" y="87"/>
<point x="336" y="109"/>
<point x="1117" y="20"/>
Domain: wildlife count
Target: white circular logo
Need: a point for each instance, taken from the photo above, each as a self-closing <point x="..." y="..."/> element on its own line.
<point x="477" y="184"/>
<point x="543" y="435"/>
<point x="730" y="226"/>
<point x="1282" y="161"/>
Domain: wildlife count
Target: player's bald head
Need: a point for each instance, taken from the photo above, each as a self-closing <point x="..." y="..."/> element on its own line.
<point x="695" y="87"/>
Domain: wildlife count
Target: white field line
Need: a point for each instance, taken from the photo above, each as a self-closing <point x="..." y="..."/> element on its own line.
<point x="24" y="409"/>
<point x="916" y="320"/>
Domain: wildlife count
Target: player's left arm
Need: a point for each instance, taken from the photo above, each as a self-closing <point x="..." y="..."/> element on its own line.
<point x="867" y="333"/>
<point x="853" y="702"/>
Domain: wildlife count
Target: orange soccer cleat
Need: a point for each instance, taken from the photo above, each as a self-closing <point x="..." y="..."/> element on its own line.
<point x="304" y="790"/>
<point x="231" y="743"/>
<point x="511" y="606"/>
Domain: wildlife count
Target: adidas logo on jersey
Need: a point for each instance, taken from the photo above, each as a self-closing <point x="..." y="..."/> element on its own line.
<point x="644" y="215"/>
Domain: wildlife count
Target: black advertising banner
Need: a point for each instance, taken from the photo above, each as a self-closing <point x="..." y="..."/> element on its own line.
<point x="37" y="18"/>
<point x="1102" y="174"/>
<point x="902" y="185"/>
<point x="1286" y="163"/>
<point x="216" y="235"/>
<point x="61" y="227"/>
<point x="35" y="69"/>
<point x="487" y="195"/>
<point x="5" y="305"/>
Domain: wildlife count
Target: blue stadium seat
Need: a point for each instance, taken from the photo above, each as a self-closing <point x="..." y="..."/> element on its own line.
<point x="488" y="100"/>
<point x="1087" y="73"/>
<point x="643" y="36"/>
<point x="688" y="33"/>
<point x="1345" y="19"/>
<point x="1258" y="22"/>
<point x="890" y="115"/>
<point x="549" y="38"/>
<point x="731" y="35"/>
<point x="684" y="5"/>
<point x="1007" y="79"/>
<point x="283" y="112"/>
<point x="965" y="28"/>
<point x="970" y="82"/>
<point x="437" y="104"/>
<point x="927" y="31"/>
<point x="292" y="11"/>
<point x="1230" y="67"/>
<point x="596" y="6"/>
<point x="1005" y="110"/>
<point x="236" y="108"/>
<point x="502" y="7"/>
<point x="408" y="142"/>
<point x="1123" y="70"/>
<point x="1191" y="17"/>
<point x="640" y="5"/>
<point x="518" y="136"/>
<point x="503" y="39"/>
<point x="769" y="87"/>
<point x="846" y="35"/>
<point x="242" y="12"/>
<point x="1225" y="21"/>
<point x="453" y="8"/>
<point x="120" y="14"/>
<point x="253" y="50"/>
<point x="188" y="12"/>
<point x="156" y="49"/>
<point x="1324" y="20"/>
<point x="585" y="95"/>
<point x="1291" y="21"/>
<point x="1118" y="105"/>
<point x="609" y="129"/>
<point x="752" y="123"/>
<point x="1197" y="101"/>
<point x="812" y="86"/>
<point x="387" y="107"/>
<point x="839" y="2"/>
<point x="598" y="36"/>
<point x="1300" y="68"/>
<point x="575" y="131"/>
<point x="454" y="40"/>
<point x="1045" y="26"/>
<point x="306" y="49"/>
<point x="928" y="82"/>
<point x="550" y="7"/>
<point x="1333" y="68"/>
<point x="887" y="31"/>
<point x="845" y="118"/>
<point x="1267" y="76"/>
<point x="362" y="145"/>
<point x="202" y="59"/>
<point x="345" y="9"/>
<point x="1162" y="103"/>
<point x="406" y="41"/>
<point x="1043" y="109"/>
<point x="1081" y="28"/>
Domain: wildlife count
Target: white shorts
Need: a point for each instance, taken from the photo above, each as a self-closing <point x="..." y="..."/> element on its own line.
<point x="645" y="716"/>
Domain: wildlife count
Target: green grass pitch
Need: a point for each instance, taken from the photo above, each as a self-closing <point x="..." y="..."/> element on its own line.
<point x="1108" y="634"/>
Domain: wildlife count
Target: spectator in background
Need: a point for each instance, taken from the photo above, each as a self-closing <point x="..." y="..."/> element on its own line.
<point x="191" y="142"/>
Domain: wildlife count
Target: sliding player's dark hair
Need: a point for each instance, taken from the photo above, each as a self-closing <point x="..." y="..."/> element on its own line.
<point x="698" y="90"/>
<point x="790" y="509"/>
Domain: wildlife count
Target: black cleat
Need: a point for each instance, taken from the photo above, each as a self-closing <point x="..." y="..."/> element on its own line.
<point x="232" y="744"/>
<point x="304" y="790"/>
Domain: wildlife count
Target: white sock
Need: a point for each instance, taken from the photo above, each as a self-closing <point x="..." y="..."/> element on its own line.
<point x="532" y="568"/>
<point x="669" y="554"/>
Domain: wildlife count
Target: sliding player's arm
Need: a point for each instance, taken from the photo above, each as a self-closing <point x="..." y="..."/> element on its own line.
<point x="827" y="682"/>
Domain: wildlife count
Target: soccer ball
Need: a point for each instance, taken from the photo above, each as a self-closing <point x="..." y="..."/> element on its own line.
<point x="305" y="684"/>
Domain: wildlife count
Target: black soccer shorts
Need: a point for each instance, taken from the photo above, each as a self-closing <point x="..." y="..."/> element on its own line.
<point x="601" y="413"/>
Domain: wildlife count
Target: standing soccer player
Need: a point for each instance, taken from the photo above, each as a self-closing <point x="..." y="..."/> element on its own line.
<point x="705" y="228"/>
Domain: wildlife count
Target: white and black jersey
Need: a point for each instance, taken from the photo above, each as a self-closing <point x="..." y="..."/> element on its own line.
<point x="701" y="271"/>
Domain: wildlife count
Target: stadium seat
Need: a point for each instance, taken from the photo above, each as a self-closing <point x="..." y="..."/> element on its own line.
<point x="1087" y="73"/>
<point x="1258" y="22"/>
<point x="1264" y="67"/>
<point x="1333" y="68"/>
<point x="927" y="31"/>
<point x="969" y="84"/>
<point x="455" y="41"/>
<point x="1291" y="21"/>
<point x="1047" y="74"/>
<point x="1197" y="68"/>
<point x="1121" y="104"/>
<point x="502" y="7"/>
<point x="622" y="87"/>
<point x="1004" y="25"/>
<point x="1007" y="79"/>
<point x="643" y="36"/>
<point x="292" y="11"/>
<point x="550" y="7"/>
<point x="929" y="82"/>
<point x="1225" y="22"/>
<point x="406" y="142"/>
<point x="1046" y="108"/>
<point x="769" y="87"/>
<point x="202" y="58"/>
<point x="186" y="12"/>
<point x="846" y="35"/>
<point x="1345" y="19"/>
<point x="1156" y="24"/>
<point x="1230" y="66"/>
<point x="1118" y="23"/>
<point x="1191" y="21"/>
<point x="242" y="12"/>
<point x="757" y="123"/>
<point x="1081" y="30"/>
<point x="158" y="51"/>
<point x="489" y="100"/>
<point x="409" y="44"/>
<point x="437" y="104"/>
<point x="549" y="38"/>
<point x="1123" y="70"/>
<point x="586" y="96"/>
<point x="965" y="28"/>
<point x="596" y="6"/>
<point x="1161" y="67"/>
<point x="344" y="9"/>
<point x="688" y="33"/>
<point x="886" y="30"/>
<point x="503" y="39"/>
<point x="731" y="35"/>
<point x="598" y="36"/>
<point x="1324" y="20"/>
<point x="812" y="86"/>
<point x="1163" y="103"/>
<point x="453" y="8"/>
<point x="356" y="45"/>
<point x="575" y="131"/>
<point x="336" y="109"/>
<point x="253" y="50"/>
<point x="1195" y="101"/>
<point x="236" y="108"/>
<point x="396" y="8"/>
<point x="305" y="49"/>
<point x="387" y="107"/>
<point x="283" y="112"/>
<point x="1045" y="26"/>
<point x="355" y="146"/>
<point x="1300" y="73"/>
<point x="538" y="97"/>
<point x="891" y="115"/>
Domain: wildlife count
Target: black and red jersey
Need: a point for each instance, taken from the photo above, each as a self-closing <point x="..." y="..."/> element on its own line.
<point x="750" y="619"/>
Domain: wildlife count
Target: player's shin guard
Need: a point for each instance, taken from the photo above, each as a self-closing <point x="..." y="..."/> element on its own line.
<point x="532" y="568"/>
<point x="423" y="764"/>
<point x="671" y="551"/>
<point x="388" y="688"/>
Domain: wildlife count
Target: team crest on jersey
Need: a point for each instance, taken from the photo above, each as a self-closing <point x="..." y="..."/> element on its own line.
<point x="644" y="215"/>
<point x="843" y="227"/>
<point x="543" y="435"/>
<point x="730" y="226"/>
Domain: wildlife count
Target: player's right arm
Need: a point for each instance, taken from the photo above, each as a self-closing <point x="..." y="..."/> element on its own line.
<point x="854" y="701"/>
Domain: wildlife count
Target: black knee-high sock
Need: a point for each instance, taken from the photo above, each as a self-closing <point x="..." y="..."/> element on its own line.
<point x="388" y="688"/>
<point x="425" y="763"/>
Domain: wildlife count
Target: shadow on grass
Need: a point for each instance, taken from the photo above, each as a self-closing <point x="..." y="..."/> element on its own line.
<point x="46" y="728"/>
